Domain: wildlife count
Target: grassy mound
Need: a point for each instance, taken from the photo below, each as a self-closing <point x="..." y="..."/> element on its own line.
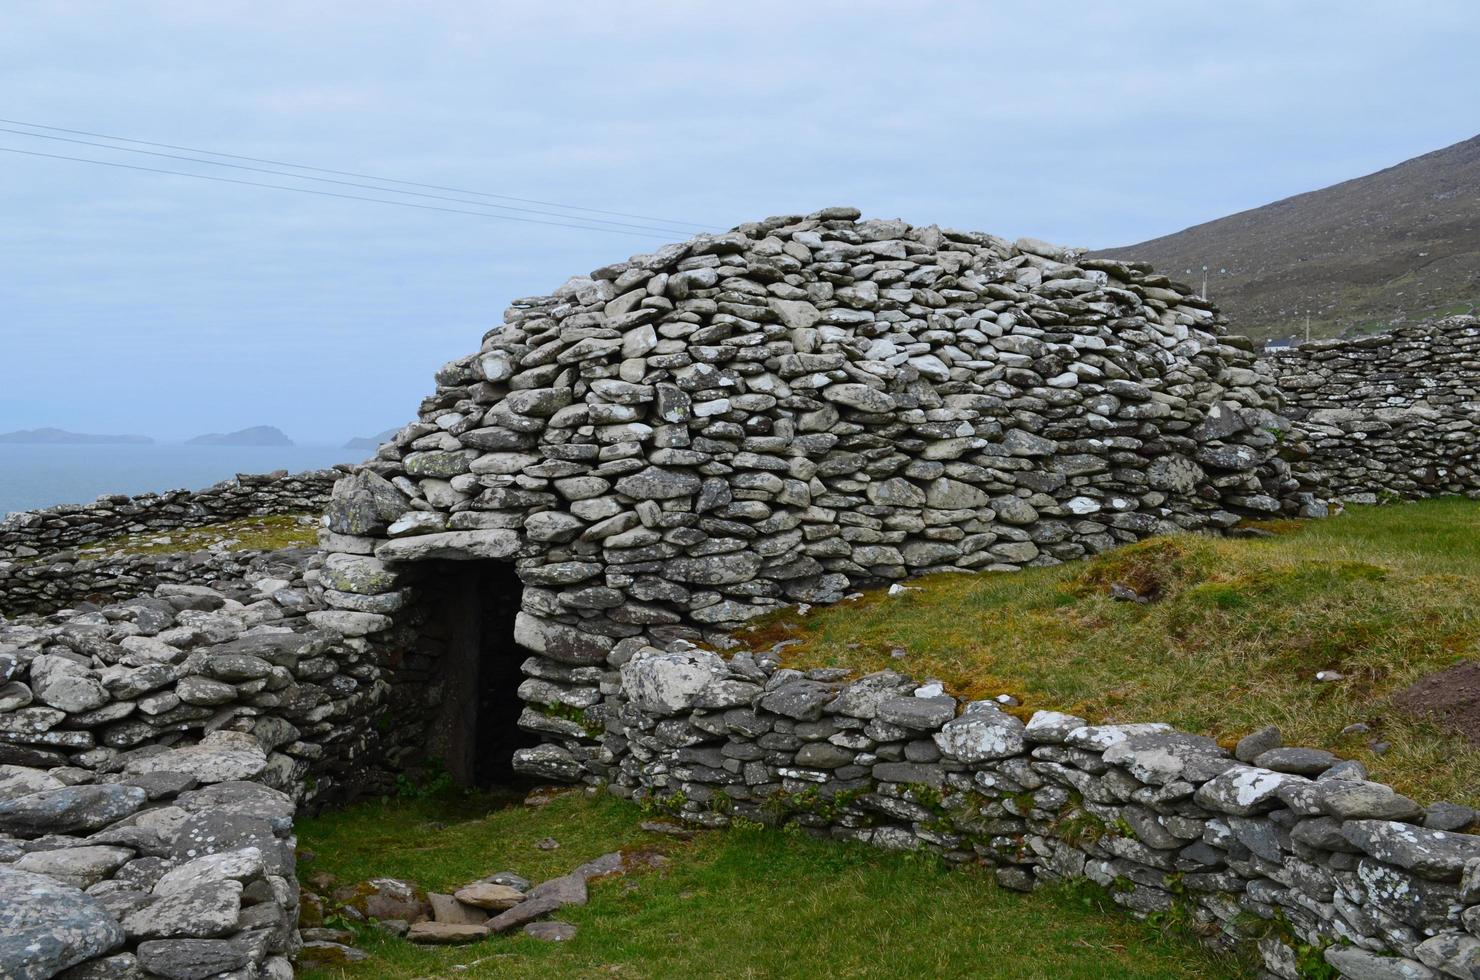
<point x="1229" y="639"/>
<point x="740" y="903"/>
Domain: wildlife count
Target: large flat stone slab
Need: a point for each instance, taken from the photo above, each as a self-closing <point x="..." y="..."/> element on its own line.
<point x="455" y="545"/>
<point x="46" y="926"/>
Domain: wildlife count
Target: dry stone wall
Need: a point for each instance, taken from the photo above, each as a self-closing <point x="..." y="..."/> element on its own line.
<point x="64" y="579"/>
<point x="1394" y="415"/>
<point x="174" y="867"/>
<point x="809" y="404"/>
<point x="98" y="690"/>
<point x="1285" y="843"/>
<point x="28" y="534"/>
<point x="153" y="753"/>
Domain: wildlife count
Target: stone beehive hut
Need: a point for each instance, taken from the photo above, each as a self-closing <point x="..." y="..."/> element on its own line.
<point x="798" y="408"/>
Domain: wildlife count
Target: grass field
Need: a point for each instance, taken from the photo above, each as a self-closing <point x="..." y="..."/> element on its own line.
<point x="744" y="903"/>
<point x="1232" y="641"/>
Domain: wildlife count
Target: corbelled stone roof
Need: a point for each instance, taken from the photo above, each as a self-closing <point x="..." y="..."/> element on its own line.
<point x="808" y="404"/>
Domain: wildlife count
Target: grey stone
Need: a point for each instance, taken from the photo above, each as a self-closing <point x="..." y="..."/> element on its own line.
<point x="1452" y="954"/>
<point x="219" y="757"/>
<point x="1163" y="757"/>
<point x="62" y="683"/>
<point x="456" y="545"/>
<point x="1359" y="964"/>
<point x="548" y="762"/>
<point x="799" y="699"/>
<point x="1302" y="762"/>
<point x="544" y="898"/>
<point x="47" y="926"/>
<point x="1251" y="746"/>
<point x="364" y="504"/>
<point x="190" y="959"/>
<point x="70" y="809"/>
<point x="668" y="683"/>
<point x="921" y="714"/>
<point x="861" y="698"/>
<point x="657" y="483"/>
<point x="981" y="736"/>
<point x="121" y="966"/>
<point x="1436" y="816"/>
<point x="445" y="933"/>
<point x="79" y="867"/>
<point x="200" y="911"/>
<point x="1361" y="800"/>
<point x="1435" y="854"/>
<point x="1243" y="790"/>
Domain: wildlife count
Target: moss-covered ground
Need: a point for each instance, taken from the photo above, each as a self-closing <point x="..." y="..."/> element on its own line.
<point x="245" y="534"/>
<point x="1232" y="639"/>
<point x="744" y="903"/>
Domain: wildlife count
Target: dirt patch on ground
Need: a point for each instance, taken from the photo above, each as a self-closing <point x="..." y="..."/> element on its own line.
<point x="1450" y="697"/>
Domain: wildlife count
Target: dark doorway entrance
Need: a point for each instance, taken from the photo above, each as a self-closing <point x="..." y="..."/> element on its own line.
<point x="476" y="602"/>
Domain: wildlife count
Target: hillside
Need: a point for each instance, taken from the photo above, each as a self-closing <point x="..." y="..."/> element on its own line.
<point x="1397" y="244"/>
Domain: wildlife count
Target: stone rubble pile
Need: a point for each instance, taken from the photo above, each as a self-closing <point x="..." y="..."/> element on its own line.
<point x="170" y="867"/>
<point x="28" y="534"/>
<point x="1291" y="837"/>
<point x="1393" y="415"/>
<point x="493" y="905"/>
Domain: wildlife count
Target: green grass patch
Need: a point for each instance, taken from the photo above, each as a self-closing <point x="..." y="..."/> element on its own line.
<point x="741" y="903"/>
<point x="245" y="534"/>
<point x="1236" y="631"/>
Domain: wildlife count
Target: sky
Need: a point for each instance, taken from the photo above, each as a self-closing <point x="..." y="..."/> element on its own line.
<point x="170" y="306"/>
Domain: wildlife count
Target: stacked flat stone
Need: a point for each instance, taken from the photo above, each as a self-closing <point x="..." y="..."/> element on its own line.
<point x="1393" y="415"/>
<point x="27" y="534"/>
<point x="176" y="868"/>
<point x="95" y="691"/>
<point x="1159" y="817"/>
<point x="805" y="405"/>
<point x="65" y="579"/>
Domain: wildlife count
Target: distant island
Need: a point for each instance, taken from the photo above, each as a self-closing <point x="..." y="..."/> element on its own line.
<point x="61" y="437"/>
<point x="370" y="442"/>
<point x="257" y="435"/>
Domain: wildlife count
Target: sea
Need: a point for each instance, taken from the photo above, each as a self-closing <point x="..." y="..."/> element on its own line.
<point x="33" y="476"/>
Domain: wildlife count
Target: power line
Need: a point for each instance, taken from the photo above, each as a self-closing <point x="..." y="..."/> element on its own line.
<point x="349" y="173"/>
<point x="309" y="190"/>
<point x="342" y="183"/>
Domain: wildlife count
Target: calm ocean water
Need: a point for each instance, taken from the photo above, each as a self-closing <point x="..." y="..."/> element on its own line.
<point x="39" y="476"/>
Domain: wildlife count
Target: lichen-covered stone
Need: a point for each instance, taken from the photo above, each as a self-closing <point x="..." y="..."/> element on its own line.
<point x="46" y="926"/>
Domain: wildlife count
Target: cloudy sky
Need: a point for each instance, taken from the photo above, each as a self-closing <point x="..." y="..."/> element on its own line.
<point x="141" y="302"/>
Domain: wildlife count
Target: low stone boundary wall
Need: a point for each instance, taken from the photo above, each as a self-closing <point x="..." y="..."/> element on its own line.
<point x="90" y="691"/>
<point x="1290" y="839"/>
<point x="1392" y="415"/>
<point x="153" y="753"/>
<point x="60" y="580"/>
<point x="173" y="865"/>
<point x="26" y="534"/>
